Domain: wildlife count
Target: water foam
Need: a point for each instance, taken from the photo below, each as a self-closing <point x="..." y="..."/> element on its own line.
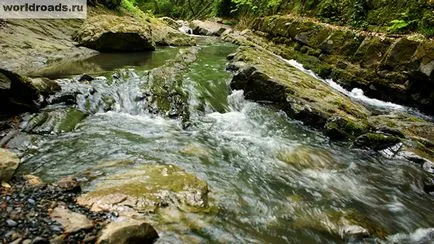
<point x="356" y="94"/>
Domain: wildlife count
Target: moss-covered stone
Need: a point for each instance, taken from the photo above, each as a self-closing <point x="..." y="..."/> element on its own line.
<point x="266" y="77"/>
<point x="304" y="157"/>
<point x="114" y="33"/>
<point x="400" y="55"/>
<point x="55" y="121"/>
<point x="340" y="128"/>
<point x="165" y="85"/>
<point x="146" y="188"/>
<point x="167" y="35"/>
<point x="371" y="51"/>
<point x="389" y="68"/>
<point x="376" y="141"/>
<point x="70" y="120"/>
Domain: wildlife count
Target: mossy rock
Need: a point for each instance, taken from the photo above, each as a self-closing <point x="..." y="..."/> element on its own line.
<point x="399" y="70"/>
<point x="165" y="35"/>
<point x="304" y="157"/>
<point x="70" y="120"/>
<point x="55" y="121"/>
<point x="339" y="128"/>
<point x="165" y="85"/>
<point x="376" y="141"/>
<point x="371" y="51"/>
<point x="400" y="56"/>
<point x="111" y="33"/>
<point x="145" y="188"/>
<point x="298" y="94"/>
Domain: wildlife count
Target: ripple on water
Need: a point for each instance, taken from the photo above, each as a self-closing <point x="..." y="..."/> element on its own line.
<point x="272" y="179"/>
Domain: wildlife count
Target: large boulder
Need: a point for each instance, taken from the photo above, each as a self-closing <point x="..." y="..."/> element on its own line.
<point x="208" y="28"/>
<point x="166" y="33"/>
<point x="109" y="33"/>
<point x="266" y="77"/>
<point x="170" y="22"/>
<point x="9" y="162"/>
<point x="125" y="231"/>
<point x="20" y="94"/>
<point x="145" y="189"/>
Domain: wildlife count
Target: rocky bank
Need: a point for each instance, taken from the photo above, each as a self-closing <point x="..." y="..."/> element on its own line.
<point x="397" y="69"/>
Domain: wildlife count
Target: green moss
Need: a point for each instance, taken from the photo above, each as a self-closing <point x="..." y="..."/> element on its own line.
<point x="71" y="119"/>
<point x="307" y="157"/>
<point x="374" y="14"/>
<point x="376" y="141"/>
<point x="339" y="128"/>
<point x="148" y="186"/>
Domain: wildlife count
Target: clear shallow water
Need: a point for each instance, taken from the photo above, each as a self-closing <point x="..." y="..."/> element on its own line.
<point x="106" y="62"/>
<point x="271" y="179"/>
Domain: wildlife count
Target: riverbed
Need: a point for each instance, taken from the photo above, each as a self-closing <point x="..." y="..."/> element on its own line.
<point x="271" y="179"/>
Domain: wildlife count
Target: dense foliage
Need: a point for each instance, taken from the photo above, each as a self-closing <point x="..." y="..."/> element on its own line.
<point x="394" y="16"/>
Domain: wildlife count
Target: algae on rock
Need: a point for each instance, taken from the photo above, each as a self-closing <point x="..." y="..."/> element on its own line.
<point x="145" y="188"/>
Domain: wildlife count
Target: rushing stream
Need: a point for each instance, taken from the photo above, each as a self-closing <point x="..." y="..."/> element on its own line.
<point x="271" y="179"/>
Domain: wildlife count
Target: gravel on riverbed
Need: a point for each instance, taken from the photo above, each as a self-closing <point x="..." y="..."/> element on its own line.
<point x="25" y="209"/>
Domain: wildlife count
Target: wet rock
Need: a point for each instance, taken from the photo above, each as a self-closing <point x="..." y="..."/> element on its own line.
<point x="85" y="77"/>
<point x="166" y="96"/>
<point x="40" y="240"/>
<point x="376" y="141"/>
<point x="71" y="222"/>
<point x="307" y="157"/>
<point x="33" y="220"/>
<point x="67" y="98"/>
<point x="114" y="33"/>
<point x="353" y="232"/>
<point x="11" y="223"/>
<point x="17" y="241"/>
<point x="127" y="231"/>
<point x="403" y="65"/>
<point x="146" y="188"/>
<point x="33" y="180"/>
<point x="207" y="28"/>
<point x="428" y="186"/>
<point x="168" y="35"/>
<point x="55" y="121"/>
<point x="428" y="167"/>
<point x="298" y="94"/>
<point x="9" y="162"/>
<point x="338" y="128"/>
<point x="69" y="184"/>
<point x="20" y="94"/>
<point x="196" y="150"/>
<point x="171" y="22"/>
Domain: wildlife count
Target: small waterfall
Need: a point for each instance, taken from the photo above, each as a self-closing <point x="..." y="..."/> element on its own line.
<point x="184" y="27"/>
<point x="358" y="95"/>
<point x="123" y="92"/>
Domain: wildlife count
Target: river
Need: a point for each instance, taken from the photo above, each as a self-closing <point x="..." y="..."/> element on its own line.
<point x="271" y="179"/>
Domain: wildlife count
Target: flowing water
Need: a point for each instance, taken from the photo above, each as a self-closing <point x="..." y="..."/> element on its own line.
<point x="272" y="180"/>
